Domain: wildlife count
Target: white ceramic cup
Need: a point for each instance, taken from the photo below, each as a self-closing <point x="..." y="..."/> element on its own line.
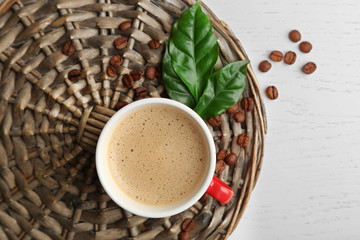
<point x="209" y="182"/>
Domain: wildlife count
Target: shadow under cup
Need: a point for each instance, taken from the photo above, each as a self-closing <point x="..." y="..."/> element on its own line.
<point x="128" y="203"/>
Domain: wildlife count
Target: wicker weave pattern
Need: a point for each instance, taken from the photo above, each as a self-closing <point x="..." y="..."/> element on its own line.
<point x="49" y="125"/>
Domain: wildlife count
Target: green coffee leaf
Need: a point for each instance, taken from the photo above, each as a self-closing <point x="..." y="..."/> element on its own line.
<point x="223" y="90"/>
<point x="194" y="49"/>
<point x="175" y="87"/>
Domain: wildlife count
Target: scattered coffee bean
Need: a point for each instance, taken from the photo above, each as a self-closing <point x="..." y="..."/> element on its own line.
<point x="305" y="47"/>
<point x="187" y="224"/>
<point x="295" y="36"/>
<point x="74" y="75"/>
<point x="150" y="72"/>
<point x="244" y="140"/>
<point x="247" y="104"/>
<point x="233" y="109"/>
<point x="154" y="44"/>
<point x="231" y="159"/>
<point x="221" y="154"/>
<point x="184" y="236"/>
<point x="309" y="68"/>
<point x="264" y="66"/>
<point x="68" y="48"/>
<point x="111" y="72"/>
<point x="116" y="61"/>
<point x="276" y="56"/>
<point x="204" y="197"/>
<point x="125" y="25"/>
<point x="121" y="104"/>
<point x="215" y="121"/>
<point x="127" y="81"/>
<point x="290" y="57"/>
<point x="136" y="74"/>
<point x="272" y="92"/>
<point x="239" y="117"/>
<point x="220" y="166"/>
<point x="141" y="92"/>
<point x="120" y="43"/>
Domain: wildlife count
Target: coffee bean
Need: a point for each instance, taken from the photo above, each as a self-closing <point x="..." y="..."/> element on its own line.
<point x="272" y="92"/>
<point x="204" y="197"/>
<point x="220" y="166"/>
<point x="125" y="25"/>
<point x="74" y="75"/>
<point x="231" y="159"/>
<point x="141" y="92"/>
<point x="127" y="81"/>
<point x="305" y="47"/>
<point x="111" y="72"/>
<point x="154" y="44"/>
<point x="247" y="104"/>
<point x="68" y="48"/>
<point x="187" y="224"/>
<point x="234" y="108"/>
<point x="309" y="68"/>
<point x="120" y="43"/>
<point x="184" y="236"/>
<point x="295" y="35"/>
<point x="239" y="117"/>
<point x="264" y="66"/>
<point x="116" y="61"/>
<point x="150" y="72"/>
<point x="121" y="104"/>
<point x="215" y="121"/>
<point x="290" y="57"/>
<point x="276" y="56"/>
<point x="136" y="74"/>
<point x="87" y="89"/>
<point x="221" y="154"/>
<point x="243" y="140"/>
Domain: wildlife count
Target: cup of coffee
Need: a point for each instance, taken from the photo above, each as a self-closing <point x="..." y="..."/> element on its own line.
<point x="156" y="157"/>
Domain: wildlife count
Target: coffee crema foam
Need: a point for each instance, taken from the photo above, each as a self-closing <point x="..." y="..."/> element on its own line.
<point x="158" y="155"/>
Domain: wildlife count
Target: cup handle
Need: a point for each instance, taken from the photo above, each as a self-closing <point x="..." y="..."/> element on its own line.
<point x="219" y="190"/>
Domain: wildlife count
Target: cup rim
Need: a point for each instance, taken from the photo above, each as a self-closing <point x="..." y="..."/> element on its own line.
<point x="143" y="209"/>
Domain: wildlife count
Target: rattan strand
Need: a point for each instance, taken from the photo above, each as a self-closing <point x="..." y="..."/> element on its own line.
<point x="49" y="125"/>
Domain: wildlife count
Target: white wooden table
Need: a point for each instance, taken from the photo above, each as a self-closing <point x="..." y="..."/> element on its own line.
<point x="309" y="187"/>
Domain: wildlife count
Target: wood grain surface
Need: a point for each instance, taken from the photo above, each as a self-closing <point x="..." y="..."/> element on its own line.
<point x="309" y="187"/>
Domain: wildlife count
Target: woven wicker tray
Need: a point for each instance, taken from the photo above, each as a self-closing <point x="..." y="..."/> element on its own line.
<point x="49" y="125"/>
